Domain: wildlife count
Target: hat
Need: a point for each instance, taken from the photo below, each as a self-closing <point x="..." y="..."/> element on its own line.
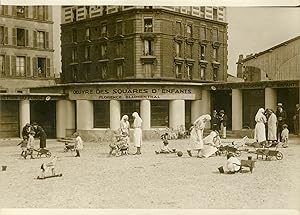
<point x="222" y="111"/>
<point x="279" y="105"/>
<point x="214" y="111"/>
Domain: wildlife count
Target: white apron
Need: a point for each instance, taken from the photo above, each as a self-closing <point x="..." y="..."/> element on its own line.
<point x="137" y="137"/>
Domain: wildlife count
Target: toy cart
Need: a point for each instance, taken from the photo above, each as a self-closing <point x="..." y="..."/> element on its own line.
<point x="269" y="153"/>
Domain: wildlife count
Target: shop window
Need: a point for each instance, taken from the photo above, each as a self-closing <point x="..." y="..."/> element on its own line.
<point x="101" y="114"/>
<point x="20" y="66"/>
<point x="21" y="11"/>
<point x="148" y="25"/>
<point x="159" y="113"/>
<point x="178" y="49"/>
<point x="202" y="52"/>
<point x="202" y="73"/>
<point x="148" y="47"/>
<point x="41" y="39"/>
<point x="104" y="30"/>
<point x="87" y="34"/>
<point x="2" y="63"/>
<point x="41" y="67"/>
<point x="74" y="54"/>
<point x="20" y="37"/>
<point x="74" y="35"/>
<point x="178" y="72"/>
<point x="128" y="107"/>
<point x="215" y="54"/>
<point x="178" y="28"/>
<point x="119" y="29"/>
<point x="87" y="53"/>
<point x="103" y="50"/>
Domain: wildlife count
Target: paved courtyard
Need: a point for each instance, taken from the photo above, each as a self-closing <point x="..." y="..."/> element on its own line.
<point x="147" y="181"/>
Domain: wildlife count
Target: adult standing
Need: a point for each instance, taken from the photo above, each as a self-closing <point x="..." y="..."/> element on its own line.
<point x="260" y="129"/>
<point x="215" y="121"/>
<point x="223" y="123"/>
<point x="124" y="127"/>
<point x="137" y="132"/>
<point x="296" y="120"/>
<point x="40" y="133"/>
<point x="26" y="130"/>
<point x="281" y="118"/>
<point x="272" y="126"/>
<point x="196" y="135"/>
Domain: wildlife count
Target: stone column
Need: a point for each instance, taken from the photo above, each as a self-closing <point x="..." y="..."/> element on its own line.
<point x="271" y="98"/>
<point x="146" y="114"/>
<point x="237" y="109"/>
<point x="65" y="118"/>
<point x="176" y="113"/>
<point x="115" y="112"/>
<point x="201" y="107"/>
<point x="24" y="109"/>
<point x="85" y="114"/>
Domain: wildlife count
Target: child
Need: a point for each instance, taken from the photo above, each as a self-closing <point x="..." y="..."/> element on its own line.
<point x="164" y="149"/>
<point x="30" y="145"/>
<point x="78" y="144"/>
<point x="285" y="135"/>
<point x="23" y="144"/>
<point x="233" y="165"/>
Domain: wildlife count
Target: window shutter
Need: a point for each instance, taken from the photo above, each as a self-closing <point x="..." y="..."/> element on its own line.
<point x="13" y="65"/>
<point x="5" y="35"/>
<point x="7" y="65"/>
<point x="14" y="10"/>
<point x="48" y="66"/>
<point x="34" y="67"/>
<point x="26" y="11"/>
<point x="14" y="37"/>
<point x="34" y="39"/>
<point x="28" y="70"/>
<point x="26" y="38"/>
<point x="46" y="12"/>
<point x="47" y="40"/>
<point x="34" y="11"/>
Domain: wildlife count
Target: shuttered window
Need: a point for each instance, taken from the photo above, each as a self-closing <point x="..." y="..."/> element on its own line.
<point x="2" y="65"/>
<point x="20" y="66"/>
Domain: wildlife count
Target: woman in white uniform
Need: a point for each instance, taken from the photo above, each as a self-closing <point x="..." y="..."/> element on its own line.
<point x="137" y="132"/>
<point x="196" y="136"/>
<point x="260" y="129"/>
<point x="124" y="128"/>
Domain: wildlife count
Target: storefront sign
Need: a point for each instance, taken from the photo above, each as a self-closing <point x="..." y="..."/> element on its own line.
<point x="29" y="97"/>
<point x="134" y="93"/>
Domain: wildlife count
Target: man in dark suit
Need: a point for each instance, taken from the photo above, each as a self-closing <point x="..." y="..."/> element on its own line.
<point x="39" y="132"/>
<point x="281" y="118"/>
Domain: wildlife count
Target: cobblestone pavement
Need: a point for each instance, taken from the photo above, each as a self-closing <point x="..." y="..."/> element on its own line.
<point x="147" y="181"/>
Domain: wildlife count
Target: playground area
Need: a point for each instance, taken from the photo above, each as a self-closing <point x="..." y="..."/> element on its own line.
<point x="163" y="181"/>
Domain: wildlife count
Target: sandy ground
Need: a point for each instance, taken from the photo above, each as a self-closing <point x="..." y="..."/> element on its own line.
<point x="147" y="181"/>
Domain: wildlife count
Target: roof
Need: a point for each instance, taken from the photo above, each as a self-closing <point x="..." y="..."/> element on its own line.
<point x="271" y="49"/>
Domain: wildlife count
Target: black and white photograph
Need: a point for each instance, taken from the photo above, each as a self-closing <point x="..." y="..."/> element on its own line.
<point x="149" y="107"/>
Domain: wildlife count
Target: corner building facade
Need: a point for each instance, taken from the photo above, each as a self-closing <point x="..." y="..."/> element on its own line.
<point x="121" y="59"/>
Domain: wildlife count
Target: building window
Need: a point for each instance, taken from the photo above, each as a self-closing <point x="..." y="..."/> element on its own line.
<point x="74" y="72"/>
<point x="178" y="72"/>
<point x="74" y="35"/>
<point x="74" y="54"/>
<point x="178" y="49"/>
<point x="101" y="114"/>
<point x="103" y="70"/>
<point x="87" y="53"/>
<point x="41" y="39"/>
<point x="178" y="28"/>
<point x="215" y="14"/>
<point x="203" y="33"/>
<point x="148" y="25"/>
<point x="2" y="63"/>
<point x="119" y="28"/>
<point x="2" y="35"/>
<point x="20" y="37"/>
<point x="20" y="66"/>
<point x="189" y="31"/>
<point x="119" y="70"/>
<point x="215" y="74"/>
<point x="21" y="11"/>
<point x="41" y="67"/>
<point x="202" y="52"/>
<point x="119" y="49"/>
<point x="104" y="30"/>
<point x="189" y="51"/>
<point x="41" y="12"/>
<point x="148" y="47"/>
<point x="202" y="73"/>
<point x="74" y="14"/>
<point x="215" y="35"/>
<point x="189" y="71"/>
<point x="87" y="34"/>
<point x="215" y="54"/>
<point x="103" y="51"/>
<point x="159" y="113"/>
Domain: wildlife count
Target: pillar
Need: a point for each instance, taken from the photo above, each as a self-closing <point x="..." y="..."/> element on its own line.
<point x="24" y="109"/>
<point x="201" y="107"/>
<point x="115" y="112"/>
<point x="145" y="109"/>
<point x="176" y="113"/>
<point x="237" y="109"/>
<point x="271" y="98"/>
<point x="65" y="117"/>
<point x="85" y="114"/>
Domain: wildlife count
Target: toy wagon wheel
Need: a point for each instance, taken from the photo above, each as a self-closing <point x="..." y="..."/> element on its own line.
<point x="48" y="154"/>
<point x="237" y="153"/>
<point x="279" y="156"/>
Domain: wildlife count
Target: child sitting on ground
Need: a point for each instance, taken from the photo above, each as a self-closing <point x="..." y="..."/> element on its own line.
<point x="78" y="144"/>
<point x="23" y="144"/>
<point x="285" y="135"/>
<point x="164" y="149"/>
